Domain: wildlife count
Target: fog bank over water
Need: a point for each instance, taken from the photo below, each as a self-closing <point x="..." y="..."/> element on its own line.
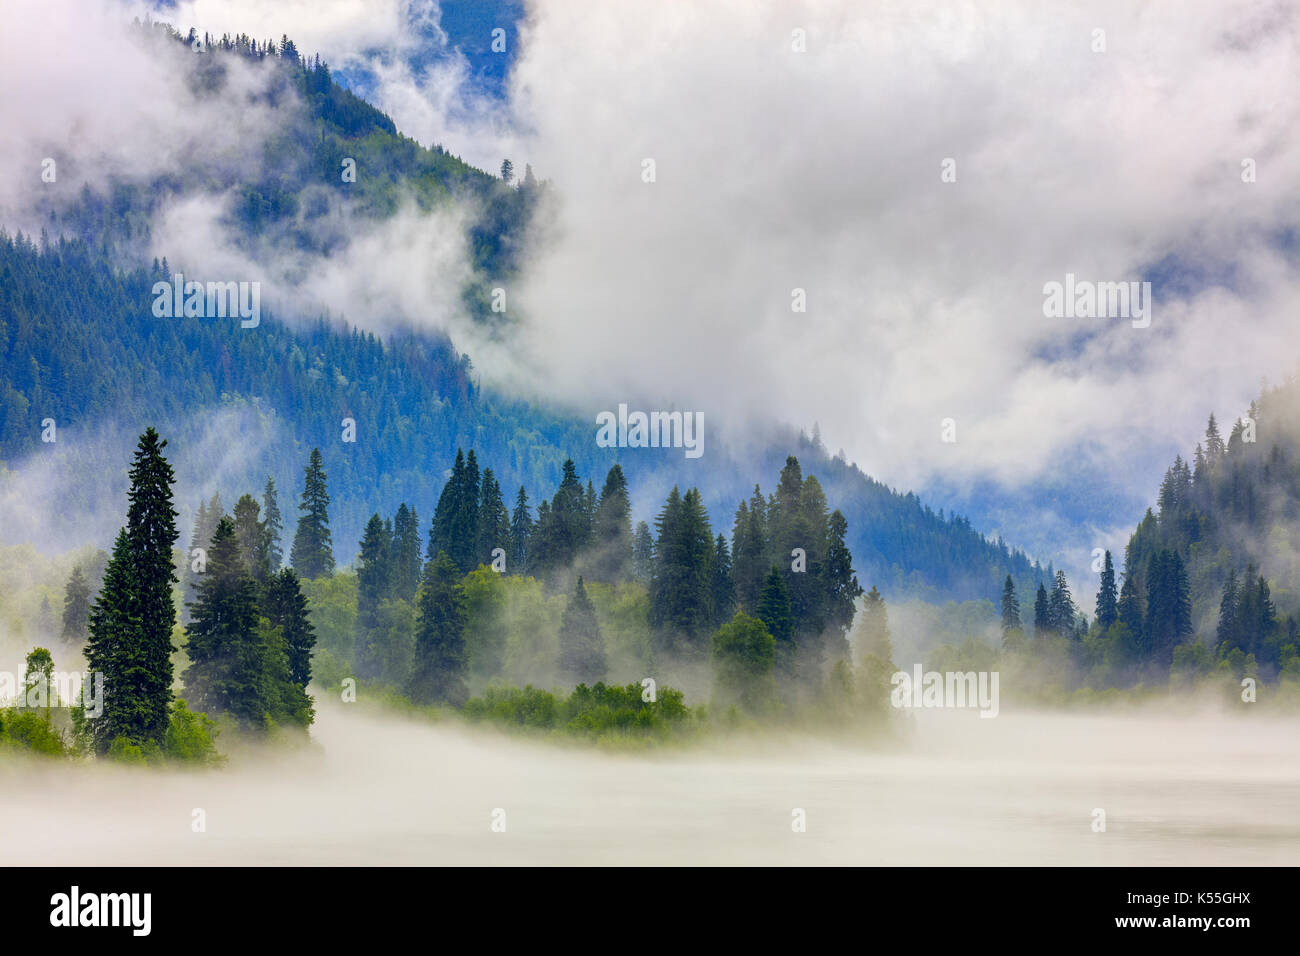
<point x="1020" y="789"/>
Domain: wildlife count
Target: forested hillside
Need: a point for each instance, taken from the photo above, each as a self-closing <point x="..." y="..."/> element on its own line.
<point x="80" y="347"/>
<point x="1219" y="549"/>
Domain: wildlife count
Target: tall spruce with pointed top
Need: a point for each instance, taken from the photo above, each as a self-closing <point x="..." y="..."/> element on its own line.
<point x="76" y="608"/>
<point x="724" y="588"/>
<point x="775" y="612"/>
<point x="404" y="578"/>
<point x="440" y="654"/>
<point x="582" y="648"/>
<point x="643" y="554"/>
<point x="251" y="536"/>
<point x="521" y="533"/>
<point x="114" y="651"/>
<point x="151" y="530"/>
<point x="1107" y="596"/>
<point x="612" y="530"/>
<point x="1010" y="608"/>
<point x="285" y="607"/>
<point x="493" y="520"/>
<point x="1042" y="613"/>
<point x="312" y="555"/>
<point x="372" y="587"/>
<point x="273" y="522"/>
<point x="222" y="642"/>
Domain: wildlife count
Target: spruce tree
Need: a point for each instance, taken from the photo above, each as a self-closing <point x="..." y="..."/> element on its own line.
<point x="151" y="530"/>
<point x="778" y="617"/>
<point x="440" y="655"/>
<point x="286" y="608"/>
<point x="252" y="539"/>
<point x="114" y="651"/>
<point x="1010" y="608"/>
<point x="493" y="520"/>
<point x="724" y="588"/>
<point x="643" y="553"/>
<point x="1107" y="597"/>
<point x="1060" y="607"/>
<point x="273" y="522"/>
<point x="1042" y="614"/>
<point x="612" y="530"/>
<point x="582" y="648"/>
<point x="226" y="670"/>
<point x="76" y="609"/>
<point x="521" y="532"/>
<point x="405" y="574"/>
<point x="372" y="588"/>
<point x="841" y="587"/>
<point x="312" y="555"/>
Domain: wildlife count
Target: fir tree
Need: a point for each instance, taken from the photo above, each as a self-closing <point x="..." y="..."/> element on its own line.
<point x="440" y="656"/>
<point x="227" y="667"/>
<point x="1107" y="599"/>
<point x="273" y="523"/>
<point x="521" y="532"/>
<point x="405" y="573"/>
<point x="372" y="587"/>
<point x="724" y="588"/>
<point x="777" y="616"/>
<point x="643" y="553"/>
<point x="151" y="530"/>
<point x="612" y="530"/>
<point x="286" y="608"/>
<point x="494" y="529"/>
<point x="76" y="609"/>
<point x="1010" y="609"/>
<point x="582" y="649"/>
<point x="252" y="539"/>
<point x="312" y="555"/>
<point x="1042" y="613"/>
<point x="114" y="650"/>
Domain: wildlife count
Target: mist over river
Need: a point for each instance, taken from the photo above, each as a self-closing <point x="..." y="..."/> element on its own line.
<point x="377" y="789"/>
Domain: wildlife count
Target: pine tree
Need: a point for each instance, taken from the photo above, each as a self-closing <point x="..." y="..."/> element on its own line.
<point x="1214" y="449"/>
<point x="114" y="651"/>
<point x="226" y="670"/>
<point x="494" y="529"/>
<point x="151" y="530"/>
<point x="440" y="657"/>
<point x="841" y="586"/>
<point x="405" y="573"/>
<point x="273" y="522"/>
<point x="1060" y="607"/>
<point x="778" y="617"/>
<point x="199" y="538"/>
<point x="643" y="554"/>
<point x="871" y="632"/>
<point x="251" y="536"/>
<point x="681" y="592"/>
<point x="750" y="554"/>
<point x="1130" y="610"/>
<point x="612" y="530"/>
<point x="372" y="587"/>
<point x="1010" y="609"/>
<point x="1228" y="627"/>
<point x="521" y="533"/>
<point x="286" y="608"/>
<point x="1042" y="614"/>
<point x="1107" y="600"/>
<point x="312" y="555"/>
<point x="76" y="609"/>
<point x="724" y="588"/>
<point x="582" y="649"/>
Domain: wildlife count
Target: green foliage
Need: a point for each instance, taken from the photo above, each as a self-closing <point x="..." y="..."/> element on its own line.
<point x="595" y="713"/>
<point x="744" y="657"/>
<point x="190" y="736"/>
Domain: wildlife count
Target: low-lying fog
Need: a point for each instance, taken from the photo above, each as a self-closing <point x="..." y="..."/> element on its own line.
<point x="1018" y="789"/>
